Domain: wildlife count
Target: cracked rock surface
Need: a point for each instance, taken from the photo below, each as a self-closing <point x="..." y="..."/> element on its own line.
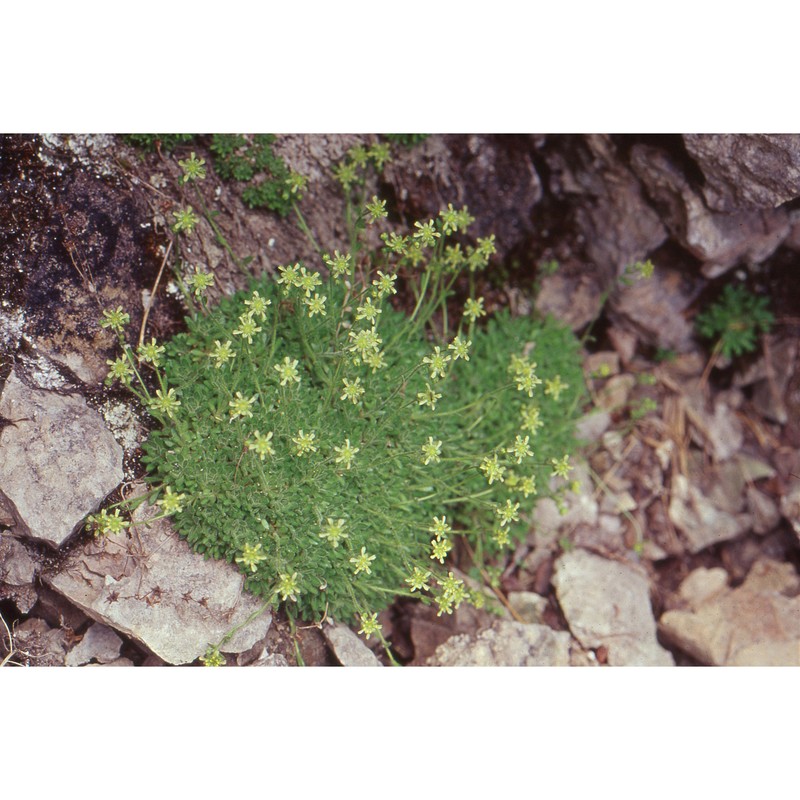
<point x="17" y="572"/>
<point x="607" y="603"/>
<point x="756" y="624"/>
<point x="507" y="644"/>
<point x="146" y="583"/>
<point x="58" y="461"/>
<point x="349" y="648"/>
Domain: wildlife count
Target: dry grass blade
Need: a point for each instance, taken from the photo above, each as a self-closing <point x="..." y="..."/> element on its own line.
<point x="10" y="653"/>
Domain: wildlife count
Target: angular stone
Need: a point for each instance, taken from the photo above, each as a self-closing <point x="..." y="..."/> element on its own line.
<point x="590" y="427"/>
<point x="506" y="644"/>
<point x="36" y="644"/>
<point x="17" y="573"/>
<point x="607" y="603"/>
<point x="720" y="428"/>
<point x="99" y="644"/>
<point x="718" y="239"/>
<point x="764" y="510"/>
<point x="728" y="489"/>
<point x="753" y="469"/>
<point x="656" y="307"/>
<point x="149" y="585"/>
<point x="349" y="648"/>
<point x="57" y="461"/>
<point x="582" y="508"/>
<point x="747" y="170"/>
<point x="702" y="584"/>
<point x="16" y="566"/>
<point x="570" y="295"/>
<point x="781" y="351"/>
<point x="756" y="624"/>
<point x="259" y="656"/>
<point x="602" y="364"/>
<point x="614" y="395"/>
<point x="624" y="341"/>
<point x="529" y="606"/>
<point x="768" y="401"/>
<point x="790" y="506"/>
<point x="701" y="522"/>
<point x="620" y="226"/>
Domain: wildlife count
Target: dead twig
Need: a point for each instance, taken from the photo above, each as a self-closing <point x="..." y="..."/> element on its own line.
<point x="712" y="362"/>
<point x="140" y="182"/>
<point x="7" y="658"/>
<point x="153" y="293"/>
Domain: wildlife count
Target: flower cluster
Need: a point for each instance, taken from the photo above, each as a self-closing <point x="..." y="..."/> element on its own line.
<point x="341" y="452"/>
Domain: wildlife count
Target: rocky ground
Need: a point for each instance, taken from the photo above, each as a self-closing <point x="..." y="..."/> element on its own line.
<point x="683" y="546"/>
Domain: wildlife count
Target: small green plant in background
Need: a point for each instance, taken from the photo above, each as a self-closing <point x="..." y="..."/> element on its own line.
<point x="340" y="451"/>
<point x="735" y="321"/>
<point x="250" y="160"/>
<point x="247" y="160"/>
<point x="406" y="139"/>
<point x="166" y="141"/>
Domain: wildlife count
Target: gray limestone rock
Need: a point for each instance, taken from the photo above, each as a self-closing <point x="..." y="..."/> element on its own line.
<point x="17" y="572"/>
<point x="259" y="656"/>
<point x="36" y="644"/>
<point x="703" y="584"/>
<point x="756" y="624"/>
<point x="572" y="296"/>
<point x="747" y="170"/>
<point x="57" y="461"/>
<point x="790" y="506"/>
<point x="147" y="584"/>
<point x="614" y="394"/>
<point x="581" y="507"/>
<point x="349" y="648"/>
<point x="16" y="566"/>
<point x="764" y="510"/>
<point x="591" y="426"/>
<point x="619" y="225"/>
<point x="506" y="644"/>
<point x="718" y="238"/>
<point x="720" y="428"/>
<point x="99" y="644"/>
<point x="529" y="606"/>
<point x="607" y="603"/>
<point x="657" y="308"/>
<point x="701" y="521"/>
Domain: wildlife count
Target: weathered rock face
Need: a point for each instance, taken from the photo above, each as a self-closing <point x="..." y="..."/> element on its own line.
<point x="17" y="572"/>
<point x="747" y="170"/>
<point x="656" y="309"/>
<point x="58" y="461"/>
<point x="349" y="648"/>
<point x="607" y="603"/>
<point x="147" y="584"/>
<point x="99" y="644"/>
<point x="612" y="214"/>
<point x="719" y="239"/>
<point x="36" y="644"/>
<point x="507" y="644"/>
<point x="77" y="240"/>
<point x="493" y="175"/>
<point x="757" y="624"/>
